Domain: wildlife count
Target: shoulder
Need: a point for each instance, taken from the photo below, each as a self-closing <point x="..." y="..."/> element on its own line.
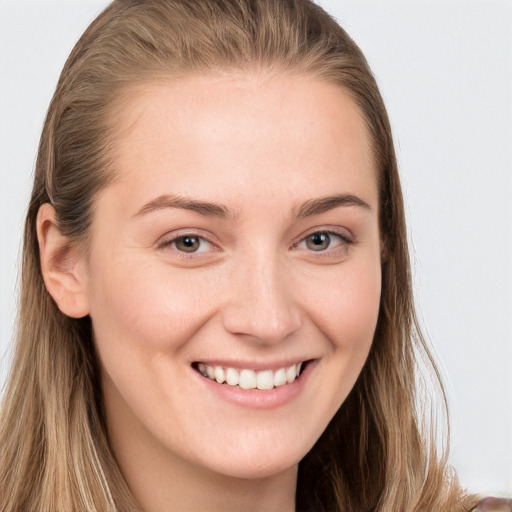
<point x="491" y="504"/>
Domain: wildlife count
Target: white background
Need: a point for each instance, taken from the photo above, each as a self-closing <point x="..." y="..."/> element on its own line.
<point x="445" y="71"/>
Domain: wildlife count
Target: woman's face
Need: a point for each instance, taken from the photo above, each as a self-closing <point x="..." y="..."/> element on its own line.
<point x="240" y="240"/>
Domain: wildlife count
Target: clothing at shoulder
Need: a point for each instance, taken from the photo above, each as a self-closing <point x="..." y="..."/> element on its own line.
<point x="495" y="505"/>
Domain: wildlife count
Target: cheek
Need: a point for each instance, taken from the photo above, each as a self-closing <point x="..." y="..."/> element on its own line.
<point x="143" y="306"/>
<point x="345" y="305"/>
<point x="347" y="317"/>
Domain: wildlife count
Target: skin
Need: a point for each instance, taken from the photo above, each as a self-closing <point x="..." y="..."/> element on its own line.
<point x="257" y="291"/>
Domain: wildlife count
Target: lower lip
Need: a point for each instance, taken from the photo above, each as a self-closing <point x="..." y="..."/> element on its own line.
<point x="257" y="398"/>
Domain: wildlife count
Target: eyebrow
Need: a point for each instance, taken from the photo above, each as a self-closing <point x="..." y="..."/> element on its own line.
<point x="185" y="203"/>
<point x="307" y="209"/>
<point x="324" y="204"/>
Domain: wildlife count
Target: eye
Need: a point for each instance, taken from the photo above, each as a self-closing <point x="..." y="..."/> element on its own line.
<point x="324" y="241"/>
<point x="318" y="241"/>
<point x="187" y="244"/>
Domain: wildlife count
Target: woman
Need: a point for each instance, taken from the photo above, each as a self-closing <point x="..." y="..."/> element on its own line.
<point x="216" y="208"/>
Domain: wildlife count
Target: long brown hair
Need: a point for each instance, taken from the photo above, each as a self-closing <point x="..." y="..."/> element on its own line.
<point x="376" y="453"/>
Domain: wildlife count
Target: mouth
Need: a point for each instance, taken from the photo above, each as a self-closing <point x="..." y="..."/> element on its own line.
<point x="247" y="379"/>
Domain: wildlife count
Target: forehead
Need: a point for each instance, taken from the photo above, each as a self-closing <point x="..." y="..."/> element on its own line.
<point x="244" y="132"/>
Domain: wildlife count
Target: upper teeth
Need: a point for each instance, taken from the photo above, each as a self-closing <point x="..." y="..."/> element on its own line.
<point x="250" y="379"/>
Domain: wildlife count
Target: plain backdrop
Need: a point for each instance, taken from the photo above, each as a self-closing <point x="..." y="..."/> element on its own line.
<point x="445" y="71"/>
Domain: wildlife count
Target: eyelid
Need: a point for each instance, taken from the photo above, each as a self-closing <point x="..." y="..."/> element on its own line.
<point x="343" y="233"/>
<point x="171" y="237"/>
<point x="168" y="239"/>
<point x="332" y="254"/>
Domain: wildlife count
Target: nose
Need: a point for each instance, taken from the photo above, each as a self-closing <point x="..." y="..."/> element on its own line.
<point x="261" y="302"/>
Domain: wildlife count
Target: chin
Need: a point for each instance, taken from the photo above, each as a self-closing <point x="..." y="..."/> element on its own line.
<point x="256" y="470"/>
<point x="246" y="460"/>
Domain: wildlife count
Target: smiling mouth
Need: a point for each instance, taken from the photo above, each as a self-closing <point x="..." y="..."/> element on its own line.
<point x="250" y="379"/>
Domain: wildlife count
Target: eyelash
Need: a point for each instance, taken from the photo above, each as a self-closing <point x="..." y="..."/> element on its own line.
<point x="183" y="254"/>
<point x="345" y="241"/>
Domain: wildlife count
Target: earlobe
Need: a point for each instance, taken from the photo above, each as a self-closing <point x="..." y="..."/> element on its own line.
<point x="62" y="266"/>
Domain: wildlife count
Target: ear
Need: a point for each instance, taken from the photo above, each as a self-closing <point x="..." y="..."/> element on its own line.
<point x="62" y="266"/>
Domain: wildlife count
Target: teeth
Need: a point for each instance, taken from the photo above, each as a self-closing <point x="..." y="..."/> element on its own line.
<point x="232" y="377"/>
<point x="280" y="377"/>
<point x="249" y="379"/>
<point x="265" y="380"/>
<point x="291" y="373"/>
<point x="220" y="374"/>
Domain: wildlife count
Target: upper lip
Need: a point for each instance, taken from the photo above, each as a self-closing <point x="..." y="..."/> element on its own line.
<point x="253" y="365"/>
